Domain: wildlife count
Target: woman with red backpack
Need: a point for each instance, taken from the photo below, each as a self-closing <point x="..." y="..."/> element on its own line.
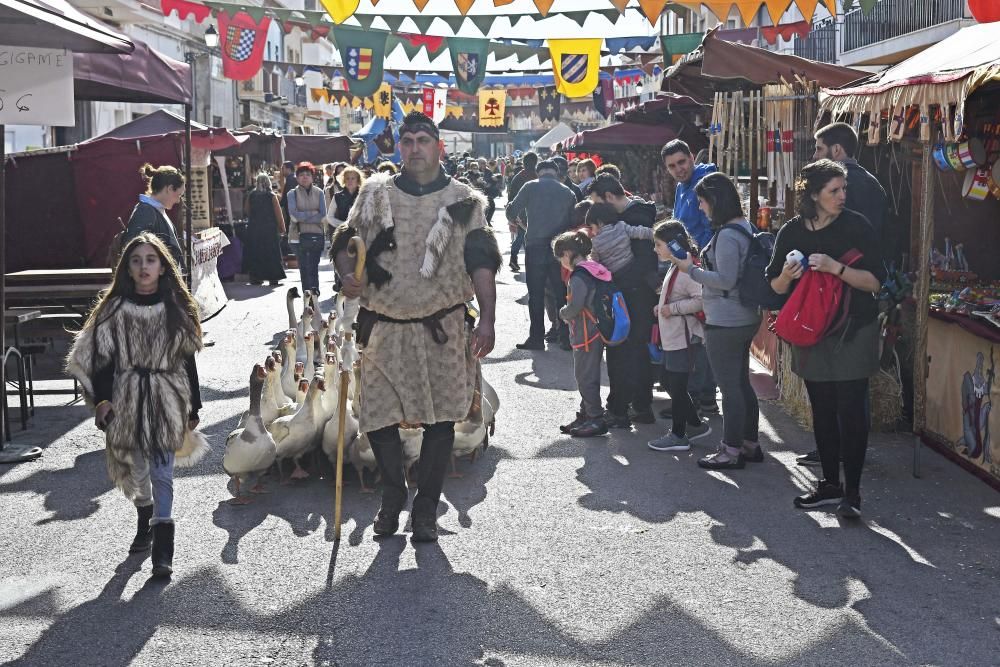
<point x="832" y="321"/>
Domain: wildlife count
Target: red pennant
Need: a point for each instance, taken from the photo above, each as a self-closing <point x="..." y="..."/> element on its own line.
<point x="432" y="42"/>
<point x="184" y="9"/>
<point x="242" y="40"/>
<point x="785" y="31"/>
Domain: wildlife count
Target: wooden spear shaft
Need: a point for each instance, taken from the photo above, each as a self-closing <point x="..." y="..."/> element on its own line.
<point x="356" y="248"/>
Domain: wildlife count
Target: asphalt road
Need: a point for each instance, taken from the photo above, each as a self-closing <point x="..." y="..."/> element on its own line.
<point x="554" y="551"/>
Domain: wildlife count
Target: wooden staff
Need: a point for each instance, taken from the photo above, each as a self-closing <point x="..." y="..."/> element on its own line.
<point x="355" y="248"/>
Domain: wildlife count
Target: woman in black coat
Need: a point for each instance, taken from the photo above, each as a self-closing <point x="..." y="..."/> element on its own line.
<point x="262" y="253"/>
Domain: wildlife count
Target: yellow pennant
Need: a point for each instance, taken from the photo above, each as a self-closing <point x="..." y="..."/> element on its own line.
<point x="420" y="4"/>
<point x="491" y="107"/>
<point x="652" y="9"/>
<point x="464" y="6"/>
<point x="620" y="5"/>
<point x="383" y="101"/>
<point x="340" y="10"/>
<point x="576" y="64"/>
<point x="544" y="6"/>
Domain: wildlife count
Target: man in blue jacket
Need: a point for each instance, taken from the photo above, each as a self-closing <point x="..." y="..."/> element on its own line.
<point x="679" y="163"/>
<point x="546" y="205"/>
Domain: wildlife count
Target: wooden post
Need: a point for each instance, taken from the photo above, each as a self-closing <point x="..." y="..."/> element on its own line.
<point x="922" y="290"/>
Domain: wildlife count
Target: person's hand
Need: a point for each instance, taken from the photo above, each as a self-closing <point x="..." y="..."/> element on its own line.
<point x="656" y="311"/>
<point x="351" y="286"/>
<point x="792" y="271"/>
<point x="483" y="339"/>
<point x="681" y="264"/>
<point x="103" y="415"/>
<point x="193" y="423"/>
<point x="512" y="226"/>
<point x="824" y="263"/>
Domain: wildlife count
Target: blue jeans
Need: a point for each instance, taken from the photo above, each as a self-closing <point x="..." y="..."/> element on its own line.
<point x="516" y="244"/>
<point x="155" y="482"/>
<point x="309" y="249"/>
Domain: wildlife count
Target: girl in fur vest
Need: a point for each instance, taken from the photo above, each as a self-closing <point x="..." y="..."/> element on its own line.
<point x="135" y="360"/>
<point x="681" y="337"/>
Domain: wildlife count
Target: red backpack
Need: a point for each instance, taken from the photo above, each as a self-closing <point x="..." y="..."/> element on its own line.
<point x="817" y="307"/>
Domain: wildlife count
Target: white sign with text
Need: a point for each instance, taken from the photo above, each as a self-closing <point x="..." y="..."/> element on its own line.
<point x="36" y="86"/>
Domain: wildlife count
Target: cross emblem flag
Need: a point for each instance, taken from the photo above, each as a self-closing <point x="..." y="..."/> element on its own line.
<point x="492" y="106"/>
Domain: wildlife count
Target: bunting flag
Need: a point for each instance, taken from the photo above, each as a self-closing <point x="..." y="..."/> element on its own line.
<point x="545" y="5"/>
<point x="604" y="97"/>
<point x="435" y="103"/>
<point x="549" y="101"/>
<point x="184" y="9"/>
<point x="785" y="31"/>
<point x="576" y="65"/>
<point x="340" y="10"/>
<point x="491" y="107"/>
<point x="652" y="9"/>
<point x="676" y="47"/>
<point x="385" y="142"/>
<point x="383" y="101"/>
<point x="413" y="43"/>
<point x="242" y="40"/>
<point x="363" y="55"/>
<point x="468" y="58"/>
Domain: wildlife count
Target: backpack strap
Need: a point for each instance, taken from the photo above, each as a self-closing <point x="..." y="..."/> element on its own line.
<point x="851" y="257"/>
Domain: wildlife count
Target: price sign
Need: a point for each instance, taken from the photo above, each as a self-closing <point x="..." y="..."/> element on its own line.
<point x="36" y="86"/>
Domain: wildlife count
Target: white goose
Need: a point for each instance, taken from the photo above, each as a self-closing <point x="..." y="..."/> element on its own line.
<point x="413" y="439"/>
<point x="293" y="294"/>
<point x="362" y="457"/>
<point x="295" y="435"/>
<point x="250" y="450"/>
<point x="317" y="320"/>
<point x="303" y="327"/>
<point x="288" y="384"/>
<point x="284" y="404"/>
<point x="310" y="363"/>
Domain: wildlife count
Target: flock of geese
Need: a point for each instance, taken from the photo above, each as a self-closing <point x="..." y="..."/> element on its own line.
<point x="294" y="405"/>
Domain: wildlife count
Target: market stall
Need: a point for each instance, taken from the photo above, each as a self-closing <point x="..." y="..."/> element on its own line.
<point x="943" y="102"/>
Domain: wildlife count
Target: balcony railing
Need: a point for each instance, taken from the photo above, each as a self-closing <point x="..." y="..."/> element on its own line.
<point x="894" y="18"/>
<point x="821" y="43"/>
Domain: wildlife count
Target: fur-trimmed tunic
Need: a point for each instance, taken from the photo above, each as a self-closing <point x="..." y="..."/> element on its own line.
<point x="151" y="387"/>
<point x="405" y="375"/>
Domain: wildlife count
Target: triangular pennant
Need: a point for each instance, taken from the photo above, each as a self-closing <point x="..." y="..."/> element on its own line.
<point x="579" y="17"/>
<point x="776" y="9"/>
<point x="611" y="15"/>
<point x="464" y="6"/>
<point x="256" y="13"/>
<point x="410" y="49"/>
<point x="721" y="7"/>
<point x="748" y="10"/>
<point x="282" y="14"/>
<point x="363" y="55"/>
<point x="483" y="23"/>
<point x="620" y="5"/>
<point x="394" y="22"/>
<point x="867" y="6"/>
<point x="454" y="22"/>
<point x="652" y="9"/>
<point x="543" y="6"/>
<point x="365" y="20"/>
<point x="423" y="22"/>
<point x="468" y="58"/>
<point x="340" y="10"/>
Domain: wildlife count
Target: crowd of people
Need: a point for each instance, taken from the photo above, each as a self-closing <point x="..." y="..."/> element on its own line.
<point x="690" y="285"/>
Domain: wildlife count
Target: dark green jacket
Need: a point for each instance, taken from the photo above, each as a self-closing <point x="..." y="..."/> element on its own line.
<point x="147" y="218"/>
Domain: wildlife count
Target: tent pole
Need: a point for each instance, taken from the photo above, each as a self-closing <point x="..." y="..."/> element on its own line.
<point x="3" y="272"/>
<point x="187" y="194"/>
<point x="921" y="267"/>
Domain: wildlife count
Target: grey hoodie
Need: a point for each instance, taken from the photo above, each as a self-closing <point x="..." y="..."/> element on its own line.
<point x="726" y="253"/>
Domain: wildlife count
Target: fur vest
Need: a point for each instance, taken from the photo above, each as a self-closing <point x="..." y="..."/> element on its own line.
<point x="152" y="394"/>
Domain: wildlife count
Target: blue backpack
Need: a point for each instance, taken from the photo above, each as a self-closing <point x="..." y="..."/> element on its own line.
<point x="609" y="310"/>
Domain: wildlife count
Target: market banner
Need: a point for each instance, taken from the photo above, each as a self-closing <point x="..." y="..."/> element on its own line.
<point x="491" y="107"/>
<point x="206" y="288"/>
<point x="363" y="55"/>
<point x="549" y="101"/>
<point x="383" y="101"/>
<point x="468" y="58"/>
<point x="242" y="40"/>
<point x="435" y="103"/>
<point x="576" y="65"/>
<point x="604" y="97"/>
<point x="676" y="47"/>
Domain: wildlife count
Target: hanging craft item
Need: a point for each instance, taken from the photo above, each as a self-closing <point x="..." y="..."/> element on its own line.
<point x="382" y="103"/>
<point x="363" y="55"/>
<point x="549" y="101"/>
<point x="241" y="41"/>
<point x="435" y="103"/>
<point x="576" y="65"/>
<point x="468" y="57"/>
<point x="491" y="107"/>
<point x="340" y="10"/>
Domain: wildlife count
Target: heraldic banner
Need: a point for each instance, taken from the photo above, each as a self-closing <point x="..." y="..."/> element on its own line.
<point x="491" y="107"/>
<point x="576" y="65"/>
<point x="549" y="104"/>
<point x="242" y="40"/>
<point x="435" y="103"/>
<point x="468" y="57"/>
<point x="382" y="104"/>
<point x="363" y="55"/>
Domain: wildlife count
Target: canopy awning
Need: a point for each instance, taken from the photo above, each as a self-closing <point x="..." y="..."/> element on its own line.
<point x="944" y="74"/>
<point x="654" y="111"/>
<point x="620" y="135"/>
<point x="145" y="75"/>
<point x="557" y="134"/>
<point x="162" y="122"/>
<point x="719" y="65"/>
<point x="55" y="24"/>
<point x="317" y="148"/>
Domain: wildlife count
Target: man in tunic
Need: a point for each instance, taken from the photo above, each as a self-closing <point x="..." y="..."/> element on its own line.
<point x="429" y="252"/>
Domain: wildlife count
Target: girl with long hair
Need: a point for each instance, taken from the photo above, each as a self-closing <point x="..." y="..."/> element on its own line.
<point x="135" y="359"/>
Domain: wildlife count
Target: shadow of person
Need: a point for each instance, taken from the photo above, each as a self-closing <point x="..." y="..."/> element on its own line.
<point x="69" y="493"/>
<point x="465" y="492"/>
<point x="551" y="369"/>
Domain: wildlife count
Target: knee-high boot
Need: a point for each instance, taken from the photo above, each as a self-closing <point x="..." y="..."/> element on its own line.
<point x="435" y="453"/>
<point x="163" y="548"/>
<point x="143" y="532"/>
<point x="388" y="449"/>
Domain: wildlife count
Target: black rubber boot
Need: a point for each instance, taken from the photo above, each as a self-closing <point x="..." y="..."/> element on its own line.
<point x="143" y="532"/>
<point x="388" y="449"/>
<point x="163" y="549"/>
<point x="435" y="454"/>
